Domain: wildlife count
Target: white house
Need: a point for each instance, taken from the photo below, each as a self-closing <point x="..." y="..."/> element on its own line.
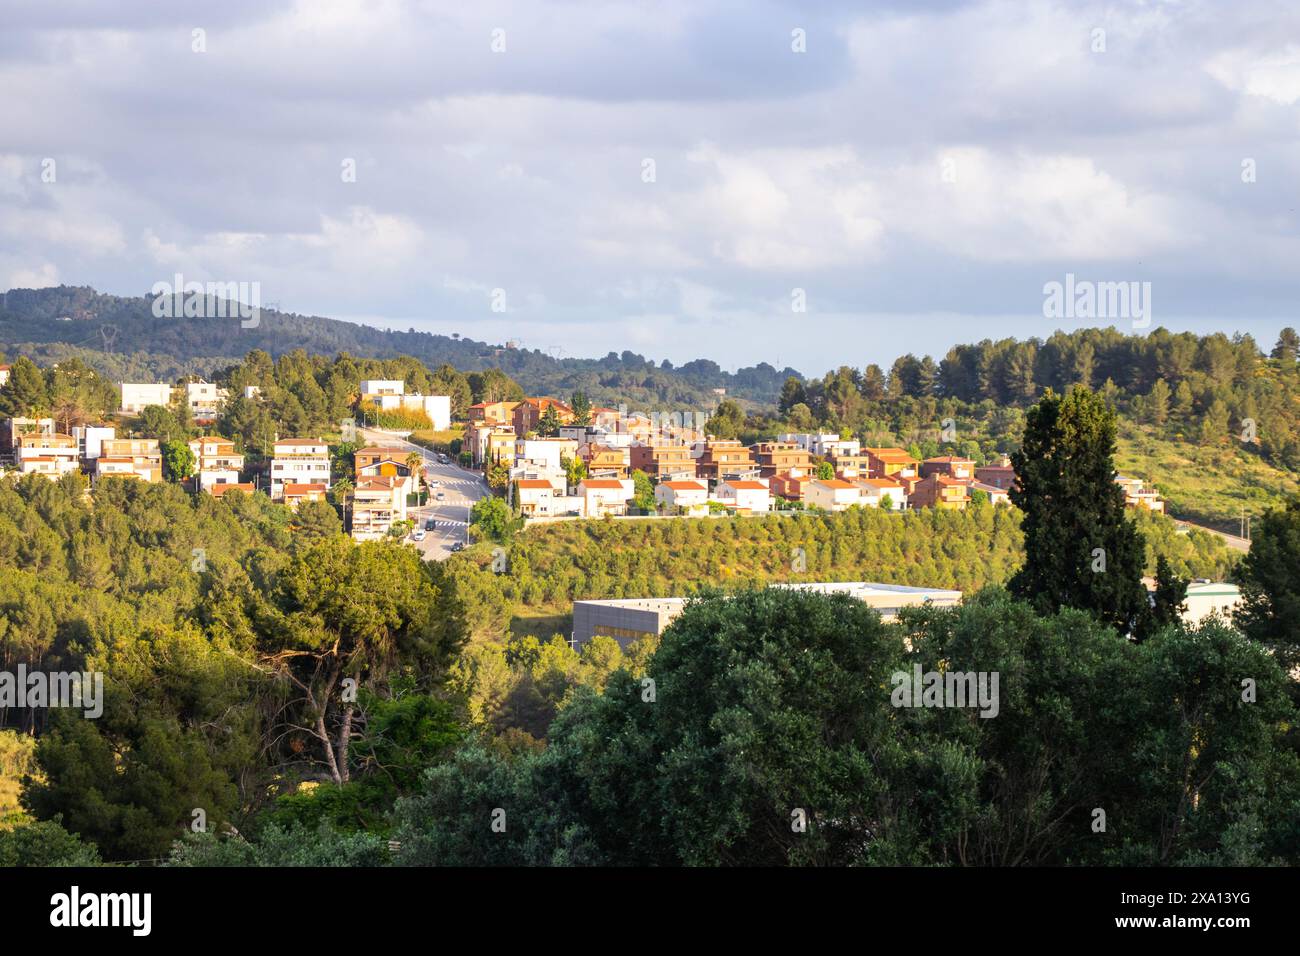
<point x="204" y="400"/>
<point x="748" y="495"/>
<point x="216" y="462"/>
<point x="874" y="491"/>
<point x="299" y="461"/>
<point x="602" y="496"/>
<point x="832" y="494"/>
<point x="689" y="497"/>
<point x="91" y="438"/>
<point x="138" y="396"/>
<point x="52" y="455"/>
<point x="539" y="498"/>
<point x="383" y="386"/>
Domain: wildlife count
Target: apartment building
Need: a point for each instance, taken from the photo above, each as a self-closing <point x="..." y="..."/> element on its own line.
<point x="12" y="429"/>
<point x="526" y="415"/>
<point x="493" y="413"/>
<point x="215" y="462"/>
<point x="781" y="458"/>
<point x="663" y="461"/>
<point x="1000" y="474"/>
<point x="378" y="504"/>
<point x="876" y="492"/>
<point x="851" y="467"/>
<point x="963" y="469"/>
<point x="137" y="396"/>
<point x="721" y="459"/>
<point x="52" y="454"/>
<point x="139" y="456"/>
<point x="939" y="491"/>
<point x="604" y="461"/>
<point x="204" y="400"/>
<point x="299" y="461"/>
<point x="542" y="457"/>
<point x="541" y="498"/>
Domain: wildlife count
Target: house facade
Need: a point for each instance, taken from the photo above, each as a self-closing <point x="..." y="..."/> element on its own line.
<point x="299" y="461"/>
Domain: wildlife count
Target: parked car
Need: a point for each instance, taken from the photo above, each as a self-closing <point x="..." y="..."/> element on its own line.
<point x="417" y="534"/>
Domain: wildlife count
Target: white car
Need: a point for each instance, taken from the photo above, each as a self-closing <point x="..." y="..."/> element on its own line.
<point x="418" y="534"/>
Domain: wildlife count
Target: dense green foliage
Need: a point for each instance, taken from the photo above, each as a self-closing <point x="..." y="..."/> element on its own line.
<point x="771" y="705"/>
<point x="1270" y="584"/>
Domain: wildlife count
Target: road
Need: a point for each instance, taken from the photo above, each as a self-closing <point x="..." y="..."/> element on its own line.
<point x="1231" y="540"/>
<point x="461" y="488"/>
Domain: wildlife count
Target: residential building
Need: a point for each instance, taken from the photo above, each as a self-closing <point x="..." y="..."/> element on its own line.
<point x="143" y="455"/>
<point x="689" y="498"/>
<point x="299" y="461"/>
<point x="663" y="461"/>
<point x="500" y="445"/>
<point x="996" y="495"/>
<point x="633" y="619"/>
<point x="939" y="491"/>
<point x="604" y="461"/>
<point x="781" y="458"/>
<point x="540" y="498"/>
<point x="378" y="504"/>
<point x="380" y="461"/>
<point x="543" y="457"/>
<point x="605" y="496"/>
<point x="136" y="397"/>
<point x="215" y="462"/>
<point x="11" y="429"/>
<point x="1210" y="597"/>
<point x="723" y="458"/>
<point x="90" y="439"/>
<point x="875" y="492"/>
<point x="204" y="400"/>
<point x="383" y="386"/>
<point x="891" y="463"/>
<point x="832" y="494"/>
<point x="791" y="489"/>
<point x="1000" y="474"/>
<point x="51" y="454"/>
<point x="963" y="469"/>
<point x="526" y="415"/>
<point x="220" y="491"/>
<point x="295" y="494"/>
<point x="851" y="467"/>
<point x="1138" y="494"/>
<point x="493" y="413"/>
<point x="815" y="443"/>
<point x="746" y="496"/>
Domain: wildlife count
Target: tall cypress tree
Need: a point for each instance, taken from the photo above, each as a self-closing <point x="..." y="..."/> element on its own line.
<point x="1081" y="551"/>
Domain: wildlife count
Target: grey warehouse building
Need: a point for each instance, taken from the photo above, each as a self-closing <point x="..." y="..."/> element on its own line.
<point x="630" y="619"/>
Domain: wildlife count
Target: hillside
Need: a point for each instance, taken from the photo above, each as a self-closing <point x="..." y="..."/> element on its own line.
<point x="119" y="335"/>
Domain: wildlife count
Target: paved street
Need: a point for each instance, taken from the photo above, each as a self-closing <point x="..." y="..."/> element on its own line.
<point x="459" y="487"/>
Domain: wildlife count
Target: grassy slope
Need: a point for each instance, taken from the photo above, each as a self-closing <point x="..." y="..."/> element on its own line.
<point x="1206" y="485"/>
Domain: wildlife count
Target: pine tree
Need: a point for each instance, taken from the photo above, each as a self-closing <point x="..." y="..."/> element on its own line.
<point x="1081" y="550"/>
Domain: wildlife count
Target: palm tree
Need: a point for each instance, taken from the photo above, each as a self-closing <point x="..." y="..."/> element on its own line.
<point x="415" y="463"/>
<point x="342" y="493"/>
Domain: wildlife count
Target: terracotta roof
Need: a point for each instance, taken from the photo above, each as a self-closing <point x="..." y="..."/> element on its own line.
<point x="880" y="482"/>
<point x="601" y="483"/>
<point x="889" y="454"/>
<point x="534" y="483"/>
<point x="683" y="485"/>
<point x="836" y="483"/>
<point x="949" y="460"/>
<point x="746" y="485"/>
<point x="305" y="488"/>
<point x="218" y="490"/>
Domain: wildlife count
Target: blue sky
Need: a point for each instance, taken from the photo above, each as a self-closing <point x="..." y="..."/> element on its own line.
<point x="920" y="171"/>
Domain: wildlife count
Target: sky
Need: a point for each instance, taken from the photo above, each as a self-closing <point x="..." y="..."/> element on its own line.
<point x="810" y="184"/>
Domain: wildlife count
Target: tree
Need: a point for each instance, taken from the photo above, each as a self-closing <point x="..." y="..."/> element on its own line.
<point x="490" y="518"/>
<point x="792" y="394"/>
<point x="415" y="465"/>
<point x="581" y="406"/>
<point x="1168" y="602"/>
<point x="548" y="426"/>
<point x="178" y="457"/>
<point x="349" y="611"/>
<point x="727" y="420"/>
<point x="644" y="494"/>
<point x="157" y="421"/>
<point x="825" y="471"/>
<point x="25" y="392"/>
<point x="1269" y="578"/>
<point x="1287" y="348"/>
<point x="1081" y="550"/>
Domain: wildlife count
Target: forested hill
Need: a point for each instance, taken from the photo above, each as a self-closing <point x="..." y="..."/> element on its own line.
<point x="49" y="324"/>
